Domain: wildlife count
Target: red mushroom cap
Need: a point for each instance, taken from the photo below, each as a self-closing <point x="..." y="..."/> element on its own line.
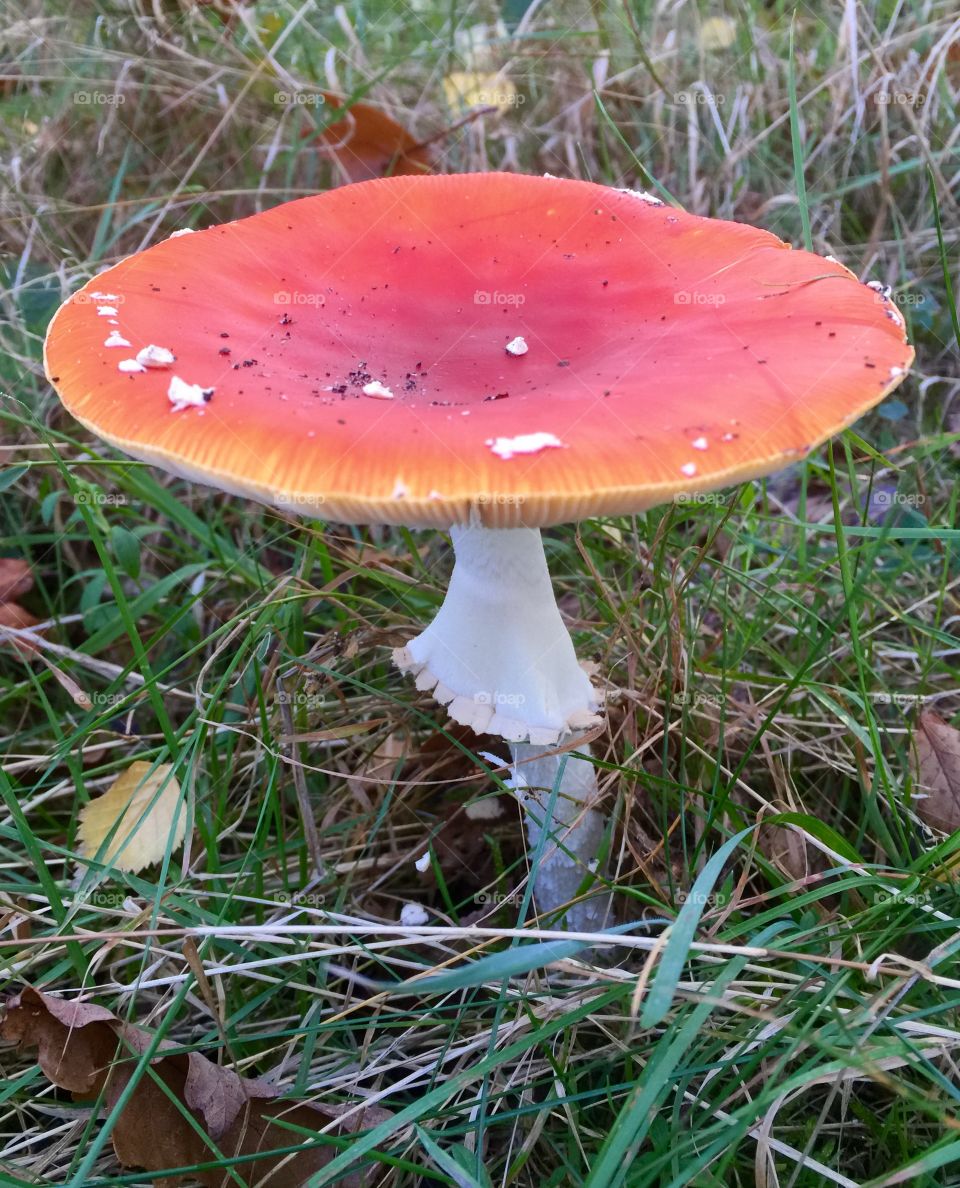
<point x="347" y="355"/>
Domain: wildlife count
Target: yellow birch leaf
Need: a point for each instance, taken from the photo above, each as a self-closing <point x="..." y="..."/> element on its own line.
<point x="464" y="89"/>
<point x="718" y="33"/>
<point x="145" y="800"/>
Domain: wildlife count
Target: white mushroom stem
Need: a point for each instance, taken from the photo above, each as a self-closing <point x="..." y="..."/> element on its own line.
<point x="501" y="660"/>
<point x="574" y="831"/>
<point x="498" y="655"/>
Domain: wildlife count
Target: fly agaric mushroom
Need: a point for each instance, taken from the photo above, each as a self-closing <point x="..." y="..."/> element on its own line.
<point x="665" y="354"/>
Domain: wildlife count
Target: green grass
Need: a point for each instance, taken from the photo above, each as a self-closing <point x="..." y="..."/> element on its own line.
<point x="765" y="650"/>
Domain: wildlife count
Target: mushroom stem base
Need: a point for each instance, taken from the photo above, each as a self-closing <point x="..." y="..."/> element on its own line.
<point x="574" y="831"/>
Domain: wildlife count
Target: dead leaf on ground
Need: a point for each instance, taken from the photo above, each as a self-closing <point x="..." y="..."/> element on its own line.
<point x="789" y="852"/>
<point x="379" y="770"/>
<point x="86" y="1049"/>
<point x="13" y="615"/>
<point x="936" y="772"/>
<point x="389" y="756"/>
<point x="144" y="804"/>
<point x="16" y="579"/>
<point x="717" y="33"/>
<point x="368" y="143"/>
<point x="467" y="89"/>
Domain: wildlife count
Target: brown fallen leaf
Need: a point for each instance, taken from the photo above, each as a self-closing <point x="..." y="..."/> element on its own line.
<point x="13" y="615"/>
<point x="141" y="807"/>
<point x="368" y="143"/>
<point x="936" y="772"/>
<point x="18" y="919"/>
<point x="790" y="853"/>
<point x="16" y="578"/>
<point x="86" y="1049"/>
<point x="389" y="756"/>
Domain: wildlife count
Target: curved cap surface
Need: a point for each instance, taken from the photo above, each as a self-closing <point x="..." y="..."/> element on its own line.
<point x="491" y="348"/>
